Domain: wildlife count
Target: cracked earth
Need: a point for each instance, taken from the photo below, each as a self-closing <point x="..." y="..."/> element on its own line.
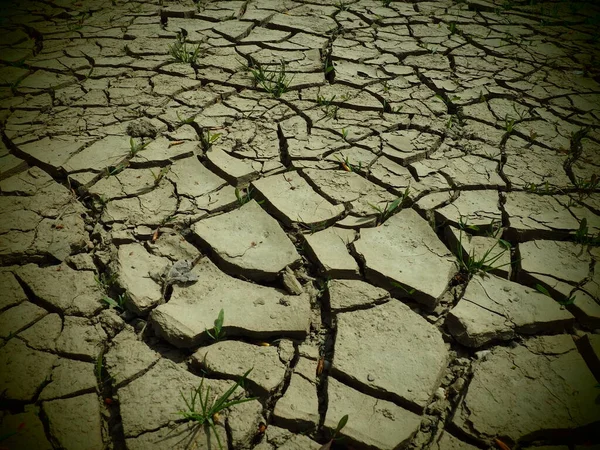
<point x="396" y="206"/>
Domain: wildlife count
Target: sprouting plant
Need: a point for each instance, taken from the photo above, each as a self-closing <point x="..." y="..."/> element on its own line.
<point x="135" y="148"/>
<point x="342" y="6"/>
<point x="182" y="53"/>
<point x="587" y="185"/>
<point x="106" y="282"/>
<point x="509" y="123"/>
<point x="244" y="196"/>
<point x="329" y="108"/>
<point x="273" y="81"/>
<point x="209" y="411"/>
<point x="386" y="3"/>
<point x="116" y="304"/>
<point x="334" y="436"/>
<point x="452" y="28"/>
<point x="344" y="133"/>
<point x="565" y="301"/>
<point x="408" y="291"/>
<point x="159" y="176"/>
<point x="390" y="208"/>
<point x="208" y="139"/>
<point x="582" y="235"/>
<point x="185" y="120"/>
<point x="111" y="171"/>
<point x="347" y="165"/>
<point x="328" y="66"/>
<point x="487" y="262"/>
<point x="323" y="285"/>
<point x="217" y="334"/>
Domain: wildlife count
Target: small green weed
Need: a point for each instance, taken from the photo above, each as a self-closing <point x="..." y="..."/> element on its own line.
<point x="582" y="235"/>
<point x="329" y="108"/>
<point x="116" y="304"/>
<point x="182" y="53"/>
<point x="390" y="208"/>
<point x="208" y="139"/>
<point x="386" y="3"/>
<point x="565" y="302"/>
<point x="273" y="81"/>
<point x="185" y="120"/>
<point x="347" y="165"/>
<point x="217" y="334"/>
<point x="159" y="176"/>
<point x="344" y="133"/>
<point x="334" y="436"/>
<point x="135" y="148"/>
<point x="208" y="412"/>
<point x="342" y="6"/>
<point x="245" y="195"/>
<point x="587" y="186"/>
<point x="106" y="282"/>
<point x="406" y="290"/>
<point x="509" y="123"/>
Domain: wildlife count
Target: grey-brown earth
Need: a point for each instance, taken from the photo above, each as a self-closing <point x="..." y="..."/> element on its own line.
<point x="395" y="205"/>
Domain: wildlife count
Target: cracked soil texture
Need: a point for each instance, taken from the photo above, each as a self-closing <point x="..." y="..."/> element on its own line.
<point x="393" y="205"/>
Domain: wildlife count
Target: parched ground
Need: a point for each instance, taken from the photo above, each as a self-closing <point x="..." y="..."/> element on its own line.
<point x="394" y="206"/>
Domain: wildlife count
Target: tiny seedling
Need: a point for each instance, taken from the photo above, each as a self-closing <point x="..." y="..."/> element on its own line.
<point x="344" y="133"/>
<point x="159" y="176"/>
<point x="182" y="53"/>
<point x="135" y="148"/>
<point x="565" y="302"/>
<point x="408" y="291"/>
<point x="208" y="139"/>
<point x="111" y="171"/>
<point x="185" y="120"/>
<point x="105" y="282"/>
<point x="390" y="208"/>
<point x="386" y="3"/>
<point x="209" y="412"/>
<point x="273" y="81"/>
<point x="328" y="66"/>
<point x="334" y="436"/>
<point x="244" y="196"/>
<point x="116" y="304"/>
<point x="217" y="333"/>
<point x="583" y="237"/>
<point x="342" y="6"/>
<point x="347" y="165"/>
<point x="509" y="123"/>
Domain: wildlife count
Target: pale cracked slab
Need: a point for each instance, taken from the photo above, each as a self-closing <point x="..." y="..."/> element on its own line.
<point x="233" y="358"/>
<point x="354" y="294"/>
<point x="291" y="199"/>
<point x="251" y="310"/>
<point x="372" y="423"/>
<point x="75" y="422"/>
<point x="534" y="389"/>
<point x="73" y="292"/>
<point x="137" y="270"/>
<point x="493" y="309"/>
<point x="106" y="152"/>
<point x="329" y="249"/>
<point x="409" y="371"/>
<point x="532" y="216"/>
<point x="298" y="409"/>
<point x="552" y="263"/>
<point x="248" y="242"/>
<point x="479" y="208"/>
<point x="406" y="250"/>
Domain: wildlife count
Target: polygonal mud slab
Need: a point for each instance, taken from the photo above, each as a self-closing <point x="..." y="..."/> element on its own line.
<point x="233" y="358"/>
<point x="73" y="292"/>
<point x="24" y="430"/>
<point x="152" y="208"/>
<point x="349" y="187"/>
<point x="70" y="378"/>
<point x="250" y="310"/>
<point x="54" y="151"/>
<point x="372" y="423"/>
<point x="448" y="442"/>
<point x="490" y="251"/>
<point x="237" y="171"/>
<point x="291" y="199"/>
<point x="109" y="151"/>
<point x="589" y="347"/>
<point x="248" y="242"/>
<point x="298" y="409"/>
<point x="75" y="422"/>
<point x="193" y="179"/>
<point x="408" y="372"/>
<point x="586" y="309"/>
<point x="478" y="208"/>
<point x="183" y="436"/>
<point x="552" y="264"/>
<point x="12" y="292"/>
<point x="532" y="216"/>
<point x="81" y="339"/>
<point x="137" y="270"/>
<point x="494" y="309"/>
<point x="405" y="250"/>
<point x="24" y="370"/>
<point x="43" y="334"/>
<point x="537" y="389"/>
<point x="329" y="249"/>
<point x="346" y="295"/>
<point x="283" y="439"/>
<point x="128" y="356"/>
<point x="19" y="317"/>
